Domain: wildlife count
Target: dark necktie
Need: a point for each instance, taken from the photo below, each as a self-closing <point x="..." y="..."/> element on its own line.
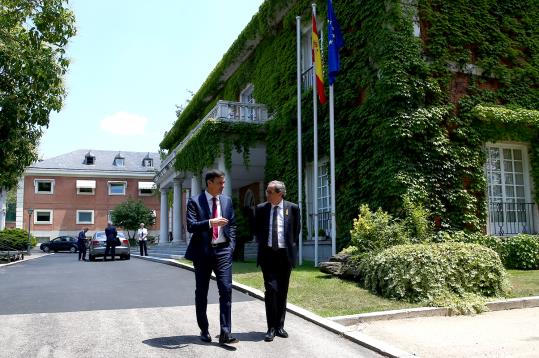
<point x="215" y="229"/>
<point x="274" y="241"/>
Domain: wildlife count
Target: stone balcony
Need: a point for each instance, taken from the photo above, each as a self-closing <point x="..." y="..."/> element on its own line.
<point x="225" y="111"/>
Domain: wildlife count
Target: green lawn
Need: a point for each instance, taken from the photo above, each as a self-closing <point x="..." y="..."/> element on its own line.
<point x="524" y="283"/>
<point x="329" y="296"/>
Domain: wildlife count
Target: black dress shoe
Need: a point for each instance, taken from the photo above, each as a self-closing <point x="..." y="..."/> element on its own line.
<point x="226" y="339"/>
<point x="270" y="335"/>
<point x="205" y="337"/>
<point x="281" y="333"/>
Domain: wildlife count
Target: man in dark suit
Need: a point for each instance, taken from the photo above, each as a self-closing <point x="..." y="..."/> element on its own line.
<point x="278" y="224"/>
<point x="111" y="234"/>
<point x="81" y="243"/>
<point x="210" y="218"/>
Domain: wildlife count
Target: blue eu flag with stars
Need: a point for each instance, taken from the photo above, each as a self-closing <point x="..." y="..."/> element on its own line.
<point x="335" y="42"/>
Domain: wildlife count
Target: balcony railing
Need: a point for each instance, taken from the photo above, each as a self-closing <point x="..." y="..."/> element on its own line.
<point x="511" y="218"/>
<point x="307" y="79"/>
<point x="324" y="222"/>
<point x="223" y="111"/>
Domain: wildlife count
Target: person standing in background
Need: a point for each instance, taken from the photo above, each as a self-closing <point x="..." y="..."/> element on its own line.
<point x="81" y="243"/>
<point x="142" y="237"/>
<point x="111" y="235"/>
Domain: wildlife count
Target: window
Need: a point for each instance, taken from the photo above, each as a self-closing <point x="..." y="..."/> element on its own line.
<point x="323" y="198"/>
<point x="148" y="163"/>
<point x="119" y="162"/>
<point x="44" y="186"/>
<point x="146" y="188"/>
<point x="85" y="216"/>
<point x="42" y="216"/>
<point x="89" y="159"/>
<point x="86" y="187"/>
<point x="511" y="210"/>
<point x="117" y="188"/>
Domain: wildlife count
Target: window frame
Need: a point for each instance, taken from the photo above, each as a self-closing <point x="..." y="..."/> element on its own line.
<point x="38" y="181"/>
<point x="79" y="192"/>
<point x="77" y="219"/>
<point x="110" y="183"/>
<point x="51" y="216"/>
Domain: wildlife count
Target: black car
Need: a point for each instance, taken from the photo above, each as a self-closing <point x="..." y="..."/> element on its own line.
<point x="61" y="243"/>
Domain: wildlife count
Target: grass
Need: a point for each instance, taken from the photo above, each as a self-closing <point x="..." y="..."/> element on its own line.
<point x="329" y="296"/>
<point x="317" y="292"/>
<point x="524" y="283"/>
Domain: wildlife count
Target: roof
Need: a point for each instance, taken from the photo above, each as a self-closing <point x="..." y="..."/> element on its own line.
<point x="103" y="162"/>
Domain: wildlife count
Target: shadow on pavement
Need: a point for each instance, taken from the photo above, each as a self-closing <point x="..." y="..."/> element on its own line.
<point x="179" y="342"/>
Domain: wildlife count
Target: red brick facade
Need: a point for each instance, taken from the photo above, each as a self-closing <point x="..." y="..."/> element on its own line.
<point x="65" y="201"/>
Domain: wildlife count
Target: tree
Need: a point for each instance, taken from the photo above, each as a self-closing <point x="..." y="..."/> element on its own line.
<point x="130" y="214"/>
<point x="33" y="37"/>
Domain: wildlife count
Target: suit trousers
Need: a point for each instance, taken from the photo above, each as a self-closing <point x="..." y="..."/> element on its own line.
<point x="220" y="262"/>
<point x="110" y="248"/>
<point x="82" y="251"/>
<point x="143" y="248"/>
<point x="276" y="271"/>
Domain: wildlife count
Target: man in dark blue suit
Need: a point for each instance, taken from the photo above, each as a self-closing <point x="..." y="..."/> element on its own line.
<point x="111" y="234"/>
<point x="278" y="224"/>
<point x="210" y="218"/>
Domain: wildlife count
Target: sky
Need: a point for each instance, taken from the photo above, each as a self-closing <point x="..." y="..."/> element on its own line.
<point x="132" y="62"/>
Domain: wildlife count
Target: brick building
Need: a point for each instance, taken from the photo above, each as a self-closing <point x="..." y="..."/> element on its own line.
<point x="81" y="188"/>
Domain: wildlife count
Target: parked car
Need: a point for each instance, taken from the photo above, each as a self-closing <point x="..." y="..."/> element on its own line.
<point x="60" y="243"/>
<point x="98" y="244"/>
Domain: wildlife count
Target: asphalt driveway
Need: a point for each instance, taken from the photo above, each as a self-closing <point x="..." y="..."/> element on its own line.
<point x="56" y="306"/>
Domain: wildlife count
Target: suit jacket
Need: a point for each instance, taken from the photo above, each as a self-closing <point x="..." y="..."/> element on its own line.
<point x="111" y="233"/>
<point x="292" y="225"/>
<point x="198" y="217"/>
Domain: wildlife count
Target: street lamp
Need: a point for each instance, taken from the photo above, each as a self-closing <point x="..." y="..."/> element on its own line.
<point x="30" y="211"/>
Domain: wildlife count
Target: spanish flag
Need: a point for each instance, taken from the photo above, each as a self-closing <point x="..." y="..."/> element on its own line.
<point x="317" y="64"/>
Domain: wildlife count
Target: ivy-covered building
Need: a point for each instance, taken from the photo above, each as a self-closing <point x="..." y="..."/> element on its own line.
<point x="435" y="99"/>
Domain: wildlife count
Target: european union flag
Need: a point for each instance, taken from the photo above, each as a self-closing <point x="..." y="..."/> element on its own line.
<point x="335" y="42"/>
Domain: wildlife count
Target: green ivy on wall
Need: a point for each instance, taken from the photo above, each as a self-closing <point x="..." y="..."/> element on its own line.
<point x="399" y="126"/>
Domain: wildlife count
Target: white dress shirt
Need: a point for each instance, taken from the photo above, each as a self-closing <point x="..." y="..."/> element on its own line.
<point x="142" y="233"/>
<point x="221" y="236"/>
<point x="280" y="225"/>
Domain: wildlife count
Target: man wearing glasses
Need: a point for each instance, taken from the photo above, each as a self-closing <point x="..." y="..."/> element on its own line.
<point x="278" y="226"/>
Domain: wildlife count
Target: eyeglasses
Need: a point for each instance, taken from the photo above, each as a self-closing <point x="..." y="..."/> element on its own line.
<point x="270" y="192"/>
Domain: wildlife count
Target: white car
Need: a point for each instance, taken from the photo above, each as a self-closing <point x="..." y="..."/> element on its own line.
<point x="99" y="242"/>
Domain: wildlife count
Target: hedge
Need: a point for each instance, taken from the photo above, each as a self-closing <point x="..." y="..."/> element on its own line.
<point x="425" y="272"/>
<point x="16" y="239"/>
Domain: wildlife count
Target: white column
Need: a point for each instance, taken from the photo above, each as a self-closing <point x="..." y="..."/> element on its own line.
<point x="228" y="180"/>
<point x="176" y="212"/>
<point x="3" y="209"/>
<point x="20" y="204"/>
<point x="195" y="185"/>
<point x="163" y="221"/>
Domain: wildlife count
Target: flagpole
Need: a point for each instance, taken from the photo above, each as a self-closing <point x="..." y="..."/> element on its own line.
<point x="332" y="171"/>
<point x="300" y="179"/>
<point x="315" y="159"/>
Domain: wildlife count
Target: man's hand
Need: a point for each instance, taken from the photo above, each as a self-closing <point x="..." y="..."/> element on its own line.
<point x="220" y="221"/>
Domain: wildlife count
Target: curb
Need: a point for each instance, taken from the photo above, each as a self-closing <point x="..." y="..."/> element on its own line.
<point x="500" y="305"/>
<point x="26" y="258"/>
<point x="331" y="325"/>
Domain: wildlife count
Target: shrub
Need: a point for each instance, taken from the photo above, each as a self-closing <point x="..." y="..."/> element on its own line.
<point x="416" y="221"/>
<point x="521" y="252"/>
<point x="16" y="239"/>
<point x="375" y="231"/>
<point x="424" y="272"/>
<point x="516" y="252"/>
